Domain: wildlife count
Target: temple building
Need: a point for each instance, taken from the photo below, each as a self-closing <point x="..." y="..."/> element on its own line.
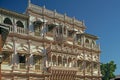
<point x="46" y="45"/>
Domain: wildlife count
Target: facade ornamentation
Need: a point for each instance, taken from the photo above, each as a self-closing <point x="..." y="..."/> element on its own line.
<point x="45" y="45"/>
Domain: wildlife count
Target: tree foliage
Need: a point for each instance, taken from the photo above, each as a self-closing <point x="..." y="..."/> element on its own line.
<point x="108" y="70"/>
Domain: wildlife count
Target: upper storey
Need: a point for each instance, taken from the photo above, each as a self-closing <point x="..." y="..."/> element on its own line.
<point x="43" y="14"/>
<point x="40" y="24"/>
<point x="13" y="20"/>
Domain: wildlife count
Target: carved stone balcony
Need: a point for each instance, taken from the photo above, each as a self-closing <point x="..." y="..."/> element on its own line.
<point x="70" y="39"/>
<point x="50" y="34"/>
<point x="63" y="68"/>
<point x="21" y="30"/>
<point x="54" y="14"/>
<point x="80" y="73"/>
<point x="37" y="67"/>
<point x="93" y="47"/>
<point x="60" y="38"/>
<point x="22" y="66"/>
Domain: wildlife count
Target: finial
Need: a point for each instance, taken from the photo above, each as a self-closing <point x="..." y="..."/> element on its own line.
<point x="65" y="14"/>
<point x="83" y="22"/>
<point x="73" y="17"/>
<point x="54" y="10"/>
<point x="29" y="1"/>
<point x="44" y="6"/>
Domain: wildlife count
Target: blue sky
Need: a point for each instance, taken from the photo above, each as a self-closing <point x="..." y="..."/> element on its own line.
<point x="101" y="17"/>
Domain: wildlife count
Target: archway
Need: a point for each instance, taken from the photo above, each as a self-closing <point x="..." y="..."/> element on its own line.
<point x="20" y="24"/>
<point x="54" y="60"/>
<point x="7" y="21"/>
<point x="69" y="62"/>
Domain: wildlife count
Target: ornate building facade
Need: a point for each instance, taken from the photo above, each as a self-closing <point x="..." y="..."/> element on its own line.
<point x="46" y="45"/>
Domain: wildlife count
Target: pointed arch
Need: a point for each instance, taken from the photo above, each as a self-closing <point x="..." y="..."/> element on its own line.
<point x="19" y="24"/>
<point x="59" y="61"/>
<point x="87" y="41"/>
<point x="70" y="62"/>
<point x="7" y="21"/>
<point x="54" y="60"/>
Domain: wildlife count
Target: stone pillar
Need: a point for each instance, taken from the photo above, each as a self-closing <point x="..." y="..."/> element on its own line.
<point x="62" y="61"/>
<point x="14" y="61"/>
<point x="84" y="71"/>
<point x="14" y="26"/>
<point x="56" y="60"/>
<point x="51" y="61"/>
<point x="29" y="58"/>
<point x="92" y="67"/>
<point x="67" y="62"/>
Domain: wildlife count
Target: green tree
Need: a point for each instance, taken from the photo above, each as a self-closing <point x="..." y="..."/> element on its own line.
<point x="108" y="70"/>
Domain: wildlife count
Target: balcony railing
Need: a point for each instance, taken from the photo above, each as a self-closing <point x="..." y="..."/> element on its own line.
<point x="37" y="67"/>
<point x="22" y="66"/>
<point x="60" y="37"/>
<point x="18" y="30"/>
<point x="94" y="47"/>
<point x="87" y="46"/>
<point x="50" y="34"/>
<point x="80" y="73"/>
<point x="64" y="68"/>
<point x="54" y="14"/>
<point x="21" y="30"/>
<point x="11" y="29"/>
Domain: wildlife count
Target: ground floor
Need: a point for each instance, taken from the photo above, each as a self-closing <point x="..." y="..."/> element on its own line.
<point x="53" y="74"/>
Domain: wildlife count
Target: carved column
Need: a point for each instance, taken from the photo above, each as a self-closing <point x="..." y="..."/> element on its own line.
<point x="15" y="52"/>
<point x="56" y="60"/>
<point x="14" y="26"/>
<point x="28" y="58"/>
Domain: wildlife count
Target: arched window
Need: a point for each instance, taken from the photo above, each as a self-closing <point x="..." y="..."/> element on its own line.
<point x="65" y="61"/>
<point x="59" y="60"/>
<point x="87" y="41"/>
<point x="7" y="21"/>
<point x="54" y="60"/>
<point x="88" y="66"/>
<point x="20" y="24"/>
<point x="59" y="29"/>
<point x="69" y="62"/>
<point x="80" y="65"/>
<point x="65" y="29"/>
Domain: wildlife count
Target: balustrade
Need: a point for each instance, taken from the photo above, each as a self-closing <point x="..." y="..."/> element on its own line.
<point x="63" y="68"/>
<point x="51" y="14"/>
<point x="37" y="67"/>
<point x="11" y="29"/>
<point x="49" y="34"/>
<point x="22" y="65"/>
<point x="21" y="30"/>
<point x="36" y="8"/>
<point x="78" y="23"/>
<point x="94" y="47"/>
